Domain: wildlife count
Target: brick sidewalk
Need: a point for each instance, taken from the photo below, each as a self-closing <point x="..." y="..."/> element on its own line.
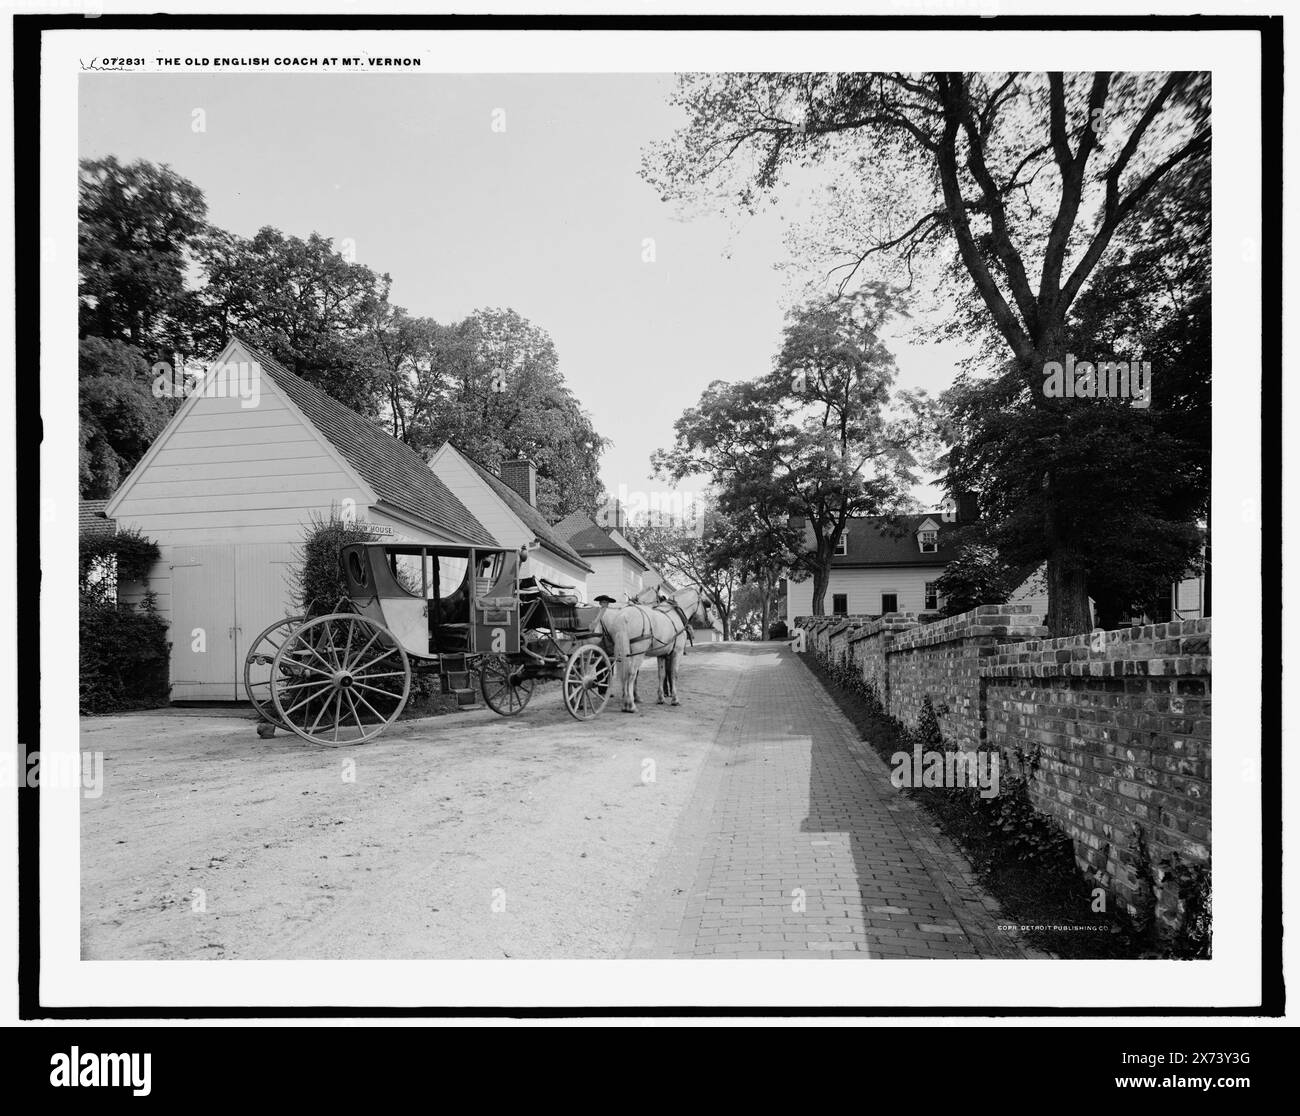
<point x="795" y="844"/>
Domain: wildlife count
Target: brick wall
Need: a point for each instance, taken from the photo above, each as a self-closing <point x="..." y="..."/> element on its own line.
<point x="1118" y="722"/>
<point x="870" y="646"/>
<point x="943" y="660"/>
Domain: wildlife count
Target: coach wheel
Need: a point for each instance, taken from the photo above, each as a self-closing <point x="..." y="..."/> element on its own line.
<point x="340" y="679"/>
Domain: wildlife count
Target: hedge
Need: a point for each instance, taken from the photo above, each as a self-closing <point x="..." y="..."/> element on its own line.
<point x="317" y="577"/>
<point x="124" y="648"/>
<point x="124" y="656"/>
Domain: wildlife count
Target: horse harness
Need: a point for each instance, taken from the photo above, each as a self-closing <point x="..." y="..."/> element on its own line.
<point x="647" y="637"/>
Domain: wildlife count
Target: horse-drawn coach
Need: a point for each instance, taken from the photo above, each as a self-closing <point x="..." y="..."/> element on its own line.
<point x="343" y="677"/>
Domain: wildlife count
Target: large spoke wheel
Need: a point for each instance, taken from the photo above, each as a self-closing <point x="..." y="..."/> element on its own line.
<point x="257" y="669"/>
<point x="504" y="688"/>
<point x="588" y="676"/>
<point x="340" y="679"/>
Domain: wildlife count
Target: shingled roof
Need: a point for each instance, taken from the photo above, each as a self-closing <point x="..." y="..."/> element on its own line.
<point x="91" y="519"/>
<point x="399" y="475"/>
<point x="591" y="540"/>
<point x="875" y="541"/>
<point x="535" y="521"/>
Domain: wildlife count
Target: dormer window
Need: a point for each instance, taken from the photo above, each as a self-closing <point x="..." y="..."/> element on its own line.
<point x="927" y="537"/>
<point x="842" y="547"/>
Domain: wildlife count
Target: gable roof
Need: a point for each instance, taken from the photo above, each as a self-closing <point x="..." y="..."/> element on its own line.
<point x="399" y="475"/>
<point x="873" y="541"/>
<point x="524" y="511"/>
<point x="91" y="519"/>
<point x="622" y="540"/>
<point x="591" y="540"/>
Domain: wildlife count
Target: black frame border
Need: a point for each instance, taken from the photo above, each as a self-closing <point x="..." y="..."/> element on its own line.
<point x="27" y="32"/>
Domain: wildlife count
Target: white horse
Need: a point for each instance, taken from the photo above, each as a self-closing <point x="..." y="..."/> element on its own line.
<point x="660" y="631"/>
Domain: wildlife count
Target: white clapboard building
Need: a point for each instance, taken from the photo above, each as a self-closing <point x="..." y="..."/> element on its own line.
<point x="227" y="490"/>
<point x="505" y="502"/>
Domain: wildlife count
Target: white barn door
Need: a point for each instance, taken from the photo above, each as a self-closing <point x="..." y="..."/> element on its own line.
<point x="262" y="596"/>
<point x="222" y="597"/>
<point x="203" y="623"/>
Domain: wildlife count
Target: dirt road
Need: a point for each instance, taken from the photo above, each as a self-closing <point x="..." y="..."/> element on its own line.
<point x="464" y="836"/>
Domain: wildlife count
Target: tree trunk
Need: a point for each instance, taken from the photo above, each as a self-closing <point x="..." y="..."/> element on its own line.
<point x="1067" y="598"/>
<point x="1068" y="612"/>
<point x="820" y="580"/>
<point x="764" y="612"/>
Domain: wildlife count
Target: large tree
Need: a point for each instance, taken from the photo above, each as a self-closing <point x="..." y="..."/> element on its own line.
<point x="819" y="440"/>
<point x="303" y="302"/>
<point x="157" y="282"/>
<point x="138" y="227"/>
<point x="120" y="415"/>
<point x="1133" y="482"/>
<point x="492" y="385"/>
<point x="711" y="553"/>
<point x="1031" y="179"/>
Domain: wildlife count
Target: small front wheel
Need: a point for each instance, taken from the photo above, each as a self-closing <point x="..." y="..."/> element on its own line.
<point x="587" y="678"/>
<point x="505" y="690"/>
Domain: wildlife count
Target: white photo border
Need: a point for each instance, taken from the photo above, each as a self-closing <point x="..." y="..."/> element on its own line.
<point x="1231" y="979"/>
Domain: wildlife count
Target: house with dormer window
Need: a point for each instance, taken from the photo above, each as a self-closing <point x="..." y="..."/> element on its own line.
<point x="880" y="566"/>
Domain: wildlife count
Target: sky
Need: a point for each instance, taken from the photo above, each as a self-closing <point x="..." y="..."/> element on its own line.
<point x="549" y="217"/>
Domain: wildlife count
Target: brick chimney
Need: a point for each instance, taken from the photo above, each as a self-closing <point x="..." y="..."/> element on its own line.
<point x="521" y="475"/>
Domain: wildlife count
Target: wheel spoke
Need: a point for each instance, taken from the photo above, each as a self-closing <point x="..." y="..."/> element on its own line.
<point x="376" y="659"/>
<point x="328" y="668"/>
<point x="382" y="718"/>
<point x="355" y="716"/>
<point x="315" y="670"/>
<point x="307" y="700"/>
<point x="298" y="664"/>
<point x="374" y="689"/>
<point x="324" y="708"/>
<point x="306" y="682"/>
<point x="350" y="663"/>
<point x="338" y="713"/>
